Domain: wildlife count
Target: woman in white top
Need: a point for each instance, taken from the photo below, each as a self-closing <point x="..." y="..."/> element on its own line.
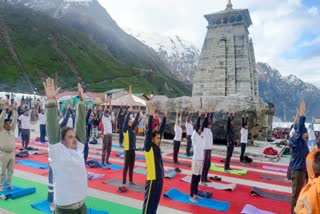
<point x="177" y="137"/>
<point x="244" y="136"/>
<point x="197" y="159"/>
<point x="66" y="155"/>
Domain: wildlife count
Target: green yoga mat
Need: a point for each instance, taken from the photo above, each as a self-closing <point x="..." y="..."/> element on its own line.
<point x="23" y="205"/>
<point x="286" y="156"/>
<point x="237" y="172"/>
<point x="184" y="156"/>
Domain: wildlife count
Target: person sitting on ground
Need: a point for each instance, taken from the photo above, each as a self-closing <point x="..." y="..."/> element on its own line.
<point x="7" y="145"/>
<point x="66" y="155"/>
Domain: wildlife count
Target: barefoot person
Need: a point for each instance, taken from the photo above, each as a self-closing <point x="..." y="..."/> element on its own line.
<point x="107" y="134"/>
<point x="155" y="173"/>
<point x="244" y="137"/>
<point x="129" y="145"/>
<point x="7" y="145"/>
<point x="197" y="159"/>
<point x="231" y="140"/>
<point x="66" y="155"/>
<point x="208" y="141"/>
<point x="177" y="137"/>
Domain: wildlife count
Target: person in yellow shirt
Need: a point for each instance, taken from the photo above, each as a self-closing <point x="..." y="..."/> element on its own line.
<point x="310" y="159"/>
<point x="309" y="198"/>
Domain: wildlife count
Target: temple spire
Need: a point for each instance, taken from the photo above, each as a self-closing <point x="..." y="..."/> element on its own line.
<point x="229" y="5"/>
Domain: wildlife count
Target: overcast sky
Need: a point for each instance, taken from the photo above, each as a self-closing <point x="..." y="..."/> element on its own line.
<point x="286" y="33"/>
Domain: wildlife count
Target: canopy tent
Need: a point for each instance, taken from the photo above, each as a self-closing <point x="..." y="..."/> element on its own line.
<point x="129" y="100"/>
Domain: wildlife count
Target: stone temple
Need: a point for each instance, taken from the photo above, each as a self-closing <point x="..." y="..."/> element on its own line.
<point x="227" y="63"/>
<point x="226" y="77"/>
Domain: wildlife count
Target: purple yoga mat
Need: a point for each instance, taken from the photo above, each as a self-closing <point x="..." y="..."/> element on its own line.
<point x="93" y="176"/>
<point x="249" y="209"/>
<point x="275" y="168"/>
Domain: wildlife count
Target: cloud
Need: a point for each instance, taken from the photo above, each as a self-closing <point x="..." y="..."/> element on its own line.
<point x="315" y="41"/>
<point x="278" y="26"/>
<point x="313" y="11"/>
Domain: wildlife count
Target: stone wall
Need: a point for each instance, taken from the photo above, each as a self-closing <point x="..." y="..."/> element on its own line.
<point x="260" y="113"/>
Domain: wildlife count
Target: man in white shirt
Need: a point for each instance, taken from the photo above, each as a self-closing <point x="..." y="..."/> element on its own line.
<point x="208" y="141"/>
<point x="189" y="127"/>
<point x="66" y="156"/>
<point x="177" y="137"/>
<point x="197" y="159"/>
<point x="42" y="122"/>
<point x="244" y="136"/>
<point x="107" y="134"/>
<point x="25" y="128"/>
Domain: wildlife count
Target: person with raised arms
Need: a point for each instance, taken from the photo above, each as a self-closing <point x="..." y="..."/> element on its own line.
<point x="155" y="172"/>
<point x="66" y="155"/>
<point x="7" y="145"/>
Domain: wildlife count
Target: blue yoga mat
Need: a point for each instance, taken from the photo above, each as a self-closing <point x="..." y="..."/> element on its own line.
<point x="138" y="157"/>
<point x="17" y="191"/>
<point x="34" y="164"/>
<point x="112" y="166"/>
<point x="177" y="195"/>
<point x="117" y="147"/>
<point x="44" y="206"/>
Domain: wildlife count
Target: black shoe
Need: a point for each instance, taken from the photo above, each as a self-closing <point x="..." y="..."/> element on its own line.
<point x="108" y="163"/>
<point x="176" y="162"/>
<point x="207" y="181"/>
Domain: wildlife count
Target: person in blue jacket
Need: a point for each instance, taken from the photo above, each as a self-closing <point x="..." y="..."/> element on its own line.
<point x="300" y="150"/>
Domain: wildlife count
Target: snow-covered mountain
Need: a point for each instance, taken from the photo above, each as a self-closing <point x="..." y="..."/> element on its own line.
<point x="180" y="55"/>
<point x="286" y="92"/>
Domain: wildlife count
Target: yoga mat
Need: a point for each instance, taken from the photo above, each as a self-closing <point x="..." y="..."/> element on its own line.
<point x="117" y="147"/>
<point x="237" y="172"/>
<point x="140" y="171"/>
<point x="138" y="157"/>
<point x="274" y="178"/>
<point x="238" y="163"/>
<point x="17" y="191"/>
<point x="44" y="206"/>
<point x="32" y="163"/>
<point x="111" y="166"/>
<point x="273" y="168"/>
<point x="185" y="156"/>
<point x="215" y="185"/>
<point x="117" y="182"/>
<point x="265" y="194"/>
<point x="249" y="209"/>
<point x="94" y="176"/>
<point x="177" y="195"/>
<point x="181" y="163"/>
<point x="38" y="153"/>
<point x="170" y="173"/>
<point x="22" y="205"/>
